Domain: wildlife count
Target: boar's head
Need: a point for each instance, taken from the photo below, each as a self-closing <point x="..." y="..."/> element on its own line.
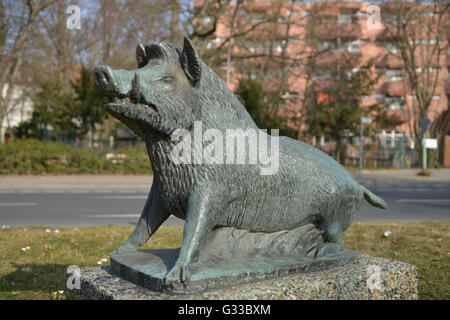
<point x="159" y="96"/>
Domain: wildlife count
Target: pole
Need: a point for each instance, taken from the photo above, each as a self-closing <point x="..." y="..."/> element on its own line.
<point x="424" y="123"/>
<point x="360" y="145"/>
<point x="424" y="155"/>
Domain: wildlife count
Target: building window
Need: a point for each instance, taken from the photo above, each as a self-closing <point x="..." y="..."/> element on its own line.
<point x="242" y="12"/>
<point x="394" y="103"/>
<point x="349" y="46"/>
<point x="290" y="95"/>
<point x="430" y="14"/>
<point x="251" y="75"/>
<point x="344" y="18"/>
<point x="434" y="97"/>
<point x="395" y="75"/>
<point x="257" y="17"/>
<point x="255" y="47"/>
<point x="323" y="74"/>
<point x="292" y="13"/>
<point x="277" y="46"/>
<point x="394" y="19"/>
<point x="429" y="69"/>
<point x="328" y="19"/>
<point x="361" y="13"/>
<point x="274" y="73"/>
<point x="425" y="41"/>
<point x="350" y="72"/>
<point x="213" y="43"/>
<point x="392" y="48"/>
<point x="326" y="45"/>
<point x="296" y="67"/>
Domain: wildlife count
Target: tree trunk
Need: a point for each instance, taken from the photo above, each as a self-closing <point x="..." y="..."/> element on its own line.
<point x="175" y="22"/>
<point x="338" y="150"/>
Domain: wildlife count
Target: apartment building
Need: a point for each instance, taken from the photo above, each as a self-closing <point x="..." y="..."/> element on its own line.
<point x="350" y="31"/>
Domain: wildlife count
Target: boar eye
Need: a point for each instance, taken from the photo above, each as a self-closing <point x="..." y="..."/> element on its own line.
<point x="168" y="79"/>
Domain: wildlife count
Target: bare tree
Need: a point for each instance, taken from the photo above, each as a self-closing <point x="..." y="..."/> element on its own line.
<point x="440" y="127"/>
<point x="18" y="20"/>
<point x="419" y="33"/>
<point x="175" y="32"/>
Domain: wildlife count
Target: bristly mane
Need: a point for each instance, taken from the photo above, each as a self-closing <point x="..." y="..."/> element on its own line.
<point x="214" y="97"/>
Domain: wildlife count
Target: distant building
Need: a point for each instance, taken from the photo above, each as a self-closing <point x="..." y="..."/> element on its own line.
<point x="20" y="109"/>
<point x="343" y="29"/>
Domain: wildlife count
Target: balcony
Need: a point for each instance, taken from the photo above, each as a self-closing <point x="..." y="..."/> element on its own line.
<point x="345" y="59"/>
<point x="349" y="31"/>
<point x="390" y="61"/>
<point x="399" y="114"/>
<point x="322" y="84"/>
<point x="393" y="88"/>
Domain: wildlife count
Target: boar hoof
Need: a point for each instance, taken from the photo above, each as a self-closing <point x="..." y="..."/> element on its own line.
<point x="124" y="248"/>
<point x="179" y="272"/>
<point x="327" y="248"/>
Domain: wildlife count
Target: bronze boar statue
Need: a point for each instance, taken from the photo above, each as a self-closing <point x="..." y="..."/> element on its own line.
<point x="173" y="90"/>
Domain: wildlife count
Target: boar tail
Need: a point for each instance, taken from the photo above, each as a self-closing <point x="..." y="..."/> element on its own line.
<point x="373" y="199"/>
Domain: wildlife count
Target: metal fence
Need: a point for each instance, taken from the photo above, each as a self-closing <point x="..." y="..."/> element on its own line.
<point x="125" y="140"/>
<point x="383" y="152"/>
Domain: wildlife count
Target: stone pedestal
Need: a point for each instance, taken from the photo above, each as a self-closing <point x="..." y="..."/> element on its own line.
<point x="149" y="267"/>
<point x="362" y="278"/>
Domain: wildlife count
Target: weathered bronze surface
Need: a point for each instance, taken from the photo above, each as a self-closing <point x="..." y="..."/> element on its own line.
<point x="298" y="210"/>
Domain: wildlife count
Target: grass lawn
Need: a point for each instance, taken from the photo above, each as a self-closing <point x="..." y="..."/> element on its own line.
<point x="39" y="271"/>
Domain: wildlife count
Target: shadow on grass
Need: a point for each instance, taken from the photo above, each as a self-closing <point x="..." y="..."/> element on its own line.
<point x="37" y="278"/>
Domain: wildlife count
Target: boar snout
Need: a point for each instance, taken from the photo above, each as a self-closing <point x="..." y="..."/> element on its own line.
<point x="104" y="81"/>
<point x="112" y="83"/>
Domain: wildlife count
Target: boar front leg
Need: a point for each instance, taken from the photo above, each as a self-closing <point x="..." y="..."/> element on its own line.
<point x="153" y="215"/>
<point x="204" y="207"/>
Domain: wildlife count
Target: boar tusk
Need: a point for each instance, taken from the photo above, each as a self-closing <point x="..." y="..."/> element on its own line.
<point x="136" y="91"/>
<point x="140" y="55"/>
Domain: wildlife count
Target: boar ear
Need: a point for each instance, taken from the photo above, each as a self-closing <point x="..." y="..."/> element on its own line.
<point x="140" y="55"/>
<point x="190" y="62"/>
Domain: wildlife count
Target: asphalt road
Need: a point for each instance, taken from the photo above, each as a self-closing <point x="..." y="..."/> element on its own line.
<point x="73" y="208"/>
<point x="407" y="201"/>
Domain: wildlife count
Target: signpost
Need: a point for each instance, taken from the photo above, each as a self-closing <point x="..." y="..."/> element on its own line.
<point x="363" y="120"/>
<point x="430" y="143"/>
<point x="424" y="123"/>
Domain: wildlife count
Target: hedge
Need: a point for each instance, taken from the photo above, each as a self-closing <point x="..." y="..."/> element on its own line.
<point x="37" y="157"/>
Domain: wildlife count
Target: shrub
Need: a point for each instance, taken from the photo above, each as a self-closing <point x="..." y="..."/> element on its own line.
<point x="36" y="157"/>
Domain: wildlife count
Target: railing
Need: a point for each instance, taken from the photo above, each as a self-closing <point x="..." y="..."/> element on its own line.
<point x="384" y="152"/>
